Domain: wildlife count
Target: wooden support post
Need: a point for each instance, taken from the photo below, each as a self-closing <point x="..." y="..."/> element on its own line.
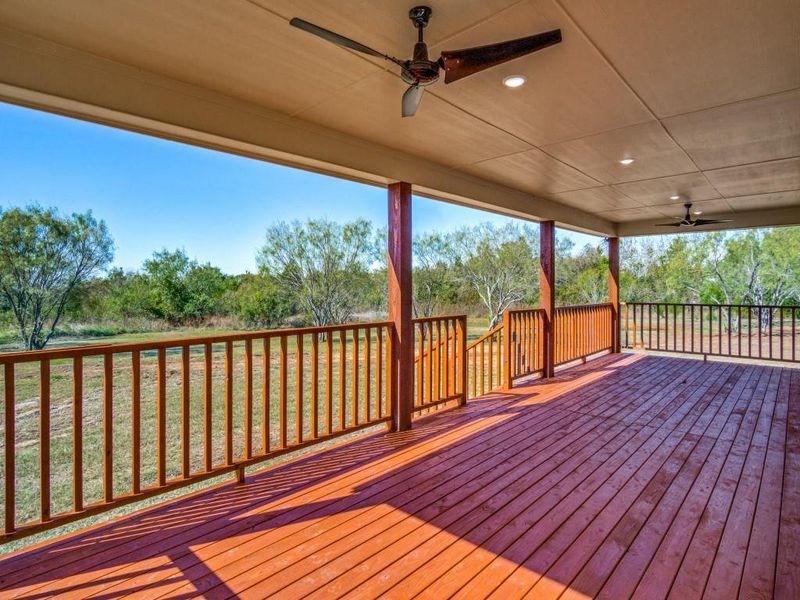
<point x="613" y="291"/>
<point x="400" y="291"/>
<point x="507" y="335"/>
<point x="547" y="292"/>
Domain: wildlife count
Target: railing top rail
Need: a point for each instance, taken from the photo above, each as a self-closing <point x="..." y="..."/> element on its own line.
<point x="525" y="310"/>
<point x="485" y="336"/>
<point x="438" y="318"/>
<point x="101" y="349"/>
<point x="579" y="306"/>
<point x="709" y="304"/>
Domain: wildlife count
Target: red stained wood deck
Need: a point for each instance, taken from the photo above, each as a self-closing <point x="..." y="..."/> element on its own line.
<point x="629" y="476"/>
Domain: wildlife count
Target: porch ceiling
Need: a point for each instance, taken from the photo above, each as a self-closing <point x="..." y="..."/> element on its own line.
<point x="705" y="96"/>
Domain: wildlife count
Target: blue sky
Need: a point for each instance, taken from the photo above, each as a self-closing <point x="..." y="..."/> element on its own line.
<point x="156" y="194"/>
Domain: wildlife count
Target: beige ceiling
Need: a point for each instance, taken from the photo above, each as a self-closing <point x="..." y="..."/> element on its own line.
<point x="704" y="95"/>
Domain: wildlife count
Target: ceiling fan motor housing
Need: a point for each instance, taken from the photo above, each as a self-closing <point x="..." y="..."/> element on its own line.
<point x="420" y="70"/>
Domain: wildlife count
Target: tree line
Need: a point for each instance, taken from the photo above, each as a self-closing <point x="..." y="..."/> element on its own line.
<point x="54" y="270"/>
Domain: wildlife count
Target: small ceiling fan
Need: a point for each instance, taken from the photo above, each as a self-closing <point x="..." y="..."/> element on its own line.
<point x="687" y="220"/>
<point x="420" y="71"/>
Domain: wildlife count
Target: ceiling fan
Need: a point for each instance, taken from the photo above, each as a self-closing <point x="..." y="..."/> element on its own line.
<point x="420" y="71"/>
<point x="687" y="220"/>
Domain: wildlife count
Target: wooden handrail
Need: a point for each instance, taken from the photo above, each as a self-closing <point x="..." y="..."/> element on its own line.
<point x="100" y="349"/>
<point x="730" y="330"/>
<point x="293" y="387"/>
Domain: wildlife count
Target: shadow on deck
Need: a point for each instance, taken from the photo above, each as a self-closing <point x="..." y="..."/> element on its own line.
<point x="631" y="475"/>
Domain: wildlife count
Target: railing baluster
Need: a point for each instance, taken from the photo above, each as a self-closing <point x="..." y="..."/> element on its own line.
<point x="379" y="371"/>
<point x="248" y="398"/>
<point x="136" y="434"/>
<point x="499" y="356"/>
<point x="759" y="333"/>
<point x="315" y="386"/>
<point x="229" y="402"/>
<point x="354" y="371"/>
<point x="770" y="325"/>
<point x="701" y="328"/>
<point x="161" y="417"/>
<point x="44" y="439"/>
<point x="283" y="375"/>
<point x="420" y="327"/>
<point x="446" y="348"/>
<point x="186" y="375"/>
<point x="711" y="331"/>
<point x="10" y="447"/>
<point x="298" y="397"/>
<point x="108" y="427"/>
<point x="208" y="399"/>
<point x="329" y="382"/>
<point x="367" y="373"/>
<point x="430" y="363"/>
<point x="77" y="432"/>
<point x="730" y="350"/>
<point x="389" y="371"/>
<point x="266" y="376"/>
<point x="342" y="377"/>
<point x="439" y="362"/>
<point x="739" y="330"/>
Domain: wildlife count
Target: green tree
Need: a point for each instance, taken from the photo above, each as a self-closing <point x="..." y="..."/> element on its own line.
<point x="323" y="264"/>
<point x="258" y="301"/>
<point x="179" y="290"/>
<point x="499" y="264"/>
<point x="582" y="277"/>
<point x="44" y="258"/>
<point x="434" y="278"/>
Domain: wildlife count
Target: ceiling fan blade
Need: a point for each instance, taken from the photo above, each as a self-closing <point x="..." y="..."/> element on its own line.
<point x="340" y="40"/>
<point x="461" y="63"/>
<point x="668" y="224"/>
<point x="711" y="221"/>
<point x="411" y="99"/>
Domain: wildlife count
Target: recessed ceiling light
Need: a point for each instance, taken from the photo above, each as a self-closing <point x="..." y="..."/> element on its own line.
<point x="626" y="161"/>
<point x="514" y="81"/>
<point x="698" y="212"/>
<point x="675" y="197"/>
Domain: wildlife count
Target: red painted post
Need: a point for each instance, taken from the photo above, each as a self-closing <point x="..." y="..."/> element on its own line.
<point x="613" y="291"/>
<point x="547" y="291"/>
<point x="400" y="292"/>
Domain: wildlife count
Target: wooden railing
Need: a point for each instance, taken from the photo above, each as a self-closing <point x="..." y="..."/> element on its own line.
<point x="96" y="427"/>
<point x="485" y="362"/>
<point x="524" y="347"/>
<point x="581" y="331"/>
<point x="732" y="330"/>
<point x="118" y="423"/>
<point x="440" y="374"/>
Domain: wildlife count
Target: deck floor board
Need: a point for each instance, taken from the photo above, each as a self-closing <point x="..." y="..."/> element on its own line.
<point x="630" y="476"/>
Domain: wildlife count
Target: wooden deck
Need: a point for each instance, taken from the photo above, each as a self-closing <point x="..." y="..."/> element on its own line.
<point x="630" y="476"/>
